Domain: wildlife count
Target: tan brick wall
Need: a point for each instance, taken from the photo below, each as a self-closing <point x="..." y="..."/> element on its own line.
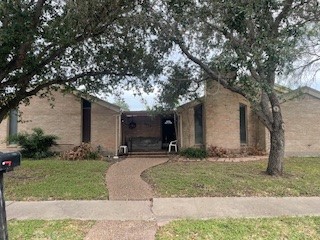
<point x="302" y="126"/>
<point x="65" y="121"/>
<point x="62" y="120"/>
<point x="186" y="133"/>
<point x="221" y="121"/>
<point x="104" y="128"/>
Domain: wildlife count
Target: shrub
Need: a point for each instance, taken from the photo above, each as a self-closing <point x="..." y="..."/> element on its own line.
<point x="35" y="145"/>
<point x="193" y="153"/>
<point x="253" y="151"/>
<point x="81" y="152"/>
<point x="214" y="151"/>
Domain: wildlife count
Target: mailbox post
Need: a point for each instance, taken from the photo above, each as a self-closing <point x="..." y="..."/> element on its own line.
<point x="7" y="163"/>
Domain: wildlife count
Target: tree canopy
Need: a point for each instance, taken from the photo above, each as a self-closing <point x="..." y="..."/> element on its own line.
<point x="92" y="45"/>
<point x="243" y="45"/>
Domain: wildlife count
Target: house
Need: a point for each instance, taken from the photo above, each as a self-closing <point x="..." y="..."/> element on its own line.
<point x="72" y="118"/>
<point x="221" y="118"/>
<point x="301" y="114"/>
<point x="224" y="119"/>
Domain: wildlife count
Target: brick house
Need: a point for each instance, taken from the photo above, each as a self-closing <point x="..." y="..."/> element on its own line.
<point x="221" y="118"/>
<point x="72" y="118"/>
<point x="224" y="119"/>
<point x="301" y="113"/>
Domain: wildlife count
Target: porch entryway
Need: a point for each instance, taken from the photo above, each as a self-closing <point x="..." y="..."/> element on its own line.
<point x="143" y="131"/>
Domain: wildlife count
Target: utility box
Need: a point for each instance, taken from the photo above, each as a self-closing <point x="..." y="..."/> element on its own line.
<point x="9" y="160"/>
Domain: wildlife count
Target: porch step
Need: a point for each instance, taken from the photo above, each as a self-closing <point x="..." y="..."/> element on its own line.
<point x="159" y="154"/>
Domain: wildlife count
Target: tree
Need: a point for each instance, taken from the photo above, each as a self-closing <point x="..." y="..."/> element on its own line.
<point x="92" y="45"/>
<point x="122" y="104"/>
<point x="244" y="45"/>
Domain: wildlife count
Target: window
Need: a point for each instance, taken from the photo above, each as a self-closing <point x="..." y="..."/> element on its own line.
<point x="243" y="123"/>
<point x="198" y="128"/>
<point x="86" y="121"/>
<point x="13" y="124"/>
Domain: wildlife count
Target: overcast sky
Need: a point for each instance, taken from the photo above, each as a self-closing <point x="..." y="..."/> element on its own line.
<point x="137" y="102"/>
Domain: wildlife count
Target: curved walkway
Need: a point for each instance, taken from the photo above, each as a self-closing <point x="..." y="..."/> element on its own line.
<point x="124" y="181"/>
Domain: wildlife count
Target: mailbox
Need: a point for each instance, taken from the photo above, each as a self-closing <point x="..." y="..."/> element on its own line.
<point x="9" y="160"/>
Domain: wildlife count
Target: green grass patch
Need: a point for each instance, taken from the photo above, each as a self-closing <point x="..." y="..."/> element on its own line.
<point x="53" y="179"/>
<point x="260" y="228"/>
<point x="51" y="230"/>
<point x="216" y="179"/>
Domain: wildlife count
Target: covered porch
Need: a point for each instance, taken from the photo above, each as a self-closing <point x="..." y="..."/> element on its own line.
<point x="143" y="131"/>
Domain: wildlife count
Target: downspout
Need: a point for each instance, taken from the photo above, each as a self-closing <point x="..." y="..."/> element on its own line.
<point x="180" y="130"/>
<point x="116" y="133"/>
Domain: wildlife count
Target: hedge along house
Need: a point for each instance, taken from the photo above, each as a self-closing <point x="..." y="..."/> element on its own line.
<point x="74" y="119"/>
<point x="224" y="119"/>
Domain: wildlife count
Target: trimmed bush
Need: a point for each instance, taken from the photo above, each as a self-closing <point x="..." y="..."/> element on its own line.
<point x="194" y="153"/>
<point x="35" y="145"/>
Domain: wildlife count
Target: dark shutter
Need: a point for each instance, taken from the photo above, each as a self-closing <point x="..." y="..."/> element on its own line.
<point x="86" y="121"/>
<point x="243" y="123"/>
<point x="198" y="126"/>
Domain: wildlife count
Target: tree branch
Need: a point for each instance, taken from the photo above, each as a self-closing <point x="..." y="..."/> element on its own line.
<point x="283" y="14"/>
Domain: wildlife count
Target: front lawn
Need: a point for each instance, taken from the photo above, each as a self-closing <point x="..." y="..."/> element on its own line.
<point x="256" y="228"/>
<point x="41" y="229"/>
<point x="221" y="179"/>
<point x="53" y="179"/>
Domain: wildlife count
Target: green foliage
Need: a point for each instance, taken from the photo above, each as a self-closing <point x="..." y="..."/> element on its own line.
<point x="35" y="145"/>
<point x="122" y="104"/>
<point x="96" y="45"/>
<point x="194" y="153"/>
<point x="177" y="87"/>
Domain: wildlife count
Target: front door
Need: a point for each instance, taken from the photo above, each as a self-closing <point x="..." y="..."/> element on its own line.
<point x="168" y="131"/>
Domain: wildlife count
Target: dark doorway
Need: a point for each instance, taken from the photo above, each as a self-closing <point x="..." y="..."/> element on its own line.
<point x="168" y="131"/>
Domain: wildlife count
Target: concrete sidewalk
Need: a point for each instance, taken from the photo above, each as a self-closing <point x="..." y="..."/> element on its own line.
<point x="166" y="209"/>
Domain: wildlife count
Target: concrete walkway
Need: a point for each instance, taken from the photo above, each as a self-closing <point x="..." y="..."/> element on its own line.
<point x="166" y="209"/>
<point x="124" y="181"/>
<point x="139" y="220"/>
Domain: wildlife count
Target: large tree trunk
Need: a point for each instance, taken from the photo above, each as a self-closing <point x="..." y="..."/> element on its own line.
<point x="276" y="154"/>
<point x="277" y="139"/>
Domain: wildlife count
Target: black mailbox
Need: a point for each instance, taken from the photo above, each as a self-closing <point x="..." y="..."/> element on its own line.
<point x="9" y="160"/>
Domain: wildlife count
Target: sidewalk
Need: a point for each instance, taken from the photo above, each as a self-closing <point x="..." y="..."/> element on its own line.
<point x="165" y="209"/>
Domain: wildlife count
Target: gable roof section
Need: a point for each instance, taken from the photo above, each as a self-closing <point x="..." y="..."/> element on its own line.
<point x="300" y="92"/>
<point x="97" y="100"/>
<point x="190" y="104"/>
<point x="93" y="99"/>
